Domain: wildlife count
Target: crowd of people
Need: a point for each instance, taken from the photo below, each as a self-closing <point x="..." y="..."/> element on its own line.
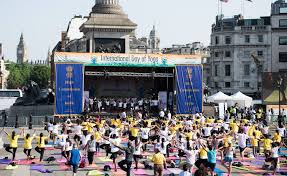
<point x="158" y="142"/>
<point x="121" y="104"/>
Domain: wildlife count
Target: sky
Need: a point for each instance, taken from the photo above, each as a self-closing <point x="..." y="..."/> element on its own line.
<point x="177" y="21"/>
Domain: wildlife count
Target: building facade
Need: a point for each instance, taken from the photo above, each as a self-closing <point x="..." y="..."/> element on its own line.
<point x="22" y="54"/>
<point x="279" y="36"/>
<point x="3" y="72"/>
<point x="236" y="46"/>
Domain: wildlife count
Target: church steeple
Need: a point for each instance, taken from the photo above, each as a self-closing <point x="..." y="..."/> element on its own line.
<point x="22" y="55"/>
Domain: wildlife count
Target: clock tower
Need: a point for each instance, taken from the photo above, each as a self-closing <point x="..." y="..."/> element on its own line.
<point x="22" y="56"/>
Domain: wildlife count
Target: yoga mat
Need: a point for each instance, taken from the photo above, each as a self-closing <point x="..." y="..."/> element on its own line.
<point x="95" y="173"/>
<point x="218" y="172"/>
<point x="4" y="161"/>
<point x="39" y="168"/>
<point x="104" y="159"/>
<point x="26" y="162"/>
<point x="241" y="168"/>
<point x="142" y="172"/>
<point x="64" y="167"/>
<point x="61" y="160"/>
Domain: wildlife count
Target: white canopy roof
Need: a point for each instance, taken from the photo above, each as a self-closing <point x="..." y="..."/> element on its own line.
<point x="241" y="99"/>
<point x="218" y="97"/>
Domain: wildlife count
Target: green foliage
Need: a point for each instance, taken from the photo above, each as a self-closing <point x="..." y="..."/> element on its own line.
<point x="41" y="74"/>
<point x="20" y="74"/>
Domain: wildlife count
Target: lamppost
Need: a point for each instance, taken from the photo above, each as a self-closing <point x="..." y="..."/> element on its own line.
<point x="279" y="83"/>
<point x="1" y="80"/>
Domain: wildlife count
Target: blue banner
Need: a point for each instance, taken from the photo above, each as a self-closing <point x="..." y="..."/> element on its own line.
<point x="69" y="89"/>
<point x="189" y="89"/>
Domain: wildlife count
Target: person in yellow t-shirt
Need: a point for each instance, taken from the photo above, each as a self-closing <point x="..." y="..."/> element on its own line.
<point x="13" y="139"/>
<point x="277" y="137"/>
<point x="133" y="133"/>
<point x="41" y="145"/>
<point x="267" y="146"/>
<point x="98" y="138"/>
<point x="28" y="144"/>
<point x="159" y="163"/>
<point x="254" y="144"/>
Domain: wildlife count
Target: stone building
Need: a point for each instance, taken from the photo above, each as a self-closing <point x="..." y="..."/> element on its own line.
<point x="22" y="54"/>
<point x="279" y="36"/>
<point x="3" y="72"/>
<point x="233" y="41"/>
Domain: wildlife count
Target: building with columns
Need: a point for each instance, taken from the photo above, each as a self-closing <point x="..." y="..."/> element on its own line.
<point x="3" y="72"/>
<point x="22" y="54"/>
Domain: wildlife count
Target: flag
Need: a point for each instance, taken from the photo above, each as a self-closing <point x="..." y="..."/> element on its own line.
<point x="224" y="0"/>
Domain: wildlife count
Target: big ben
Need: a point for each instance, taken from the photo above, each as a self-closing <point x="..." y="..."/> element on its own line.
<point x="22" y="55"/>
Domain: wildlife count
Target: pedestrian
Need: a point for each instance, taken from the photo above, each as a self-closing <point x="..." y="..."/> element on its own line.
<point x="159" y="163"/>
<point x="75" y="159"/>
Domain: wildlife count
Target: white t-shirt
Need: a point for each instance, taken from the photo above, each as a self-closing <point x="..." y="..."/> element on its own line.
<point x="185" y="173"/>
<point x="163" y="148"/>
<point x="145" y="132"/>
<point x="281" y="131"/>
<point x="78" y="129"/>
<point x="55" y="129"/>
<point x="116" y="141"/>
<point x="169" y="116"/>
<point x="275" y="152"/>
<point x="207" y="131"/>
<point x="242" y="140"/>
<point x="50" y="127"/>
<point x="85" y="139"/>
<point x="68" y="146"/>
<point x="161" y="114"/>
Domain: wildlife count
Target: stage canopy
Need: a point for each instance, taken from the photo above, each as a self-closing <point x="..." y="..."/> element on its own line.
<point x="218" y="98"/>
<point x="127" y="60"/>
<point x="241" y="99"/>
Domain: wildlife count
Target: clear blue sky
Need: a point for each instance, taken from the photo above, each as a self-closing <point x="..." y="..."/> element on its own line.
<point x="178" y="21"/>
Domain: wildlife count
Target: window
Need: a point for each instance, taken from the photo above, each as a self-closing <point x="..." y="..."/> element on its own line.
<point x="246" y="54"/>
<point x="216" y="54"/>
<point x="227" y="84"/>
<point x="216" y="70"/>
<point x="227" y="70"/>
<point x="216" y="40"/>
<point x="247" y="39"/>
<point x="216" y="85"/>
<point x="246" y="85"/>
<point x="283" y="10"/>
<point x="283" y="40"/>
<point x="260" y="38"/>
<point x="246" y="70"/>
<point x="283" y="23"/>
<point x="227" y="54"/>
<point x="283" y="57"/>
<point x="227" y="40"/>
<point x="260" y="53"/>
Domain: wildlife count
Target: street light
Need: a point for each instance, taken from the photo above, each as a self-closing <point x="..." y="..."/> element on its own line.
<point x="279" y="83"/>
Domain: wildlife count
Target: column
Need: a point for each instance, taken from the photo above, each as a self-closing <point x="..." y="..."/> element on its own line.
<point x="91" y="45"/>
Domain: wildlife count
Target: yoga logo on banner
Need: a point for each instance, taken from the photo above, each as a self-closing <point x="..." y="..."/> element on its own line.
<point x="189" y="89"/>
<point x="69" y="89"/>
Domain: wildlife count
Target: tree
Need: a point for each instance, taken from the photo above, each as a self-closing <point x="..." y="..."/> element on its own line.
<point x="15" y="79"/>
<point x="41" y="75"/>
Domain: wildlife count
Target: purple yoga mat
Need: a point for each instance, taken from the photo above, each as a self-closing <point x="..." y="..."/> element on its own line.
<point x="38" y="167"/>
<point x="4" y="161"/>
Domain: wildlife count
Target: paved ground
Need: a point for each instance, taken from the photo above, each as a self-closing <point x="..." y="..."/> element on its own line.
<point x="251" y="166"/>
